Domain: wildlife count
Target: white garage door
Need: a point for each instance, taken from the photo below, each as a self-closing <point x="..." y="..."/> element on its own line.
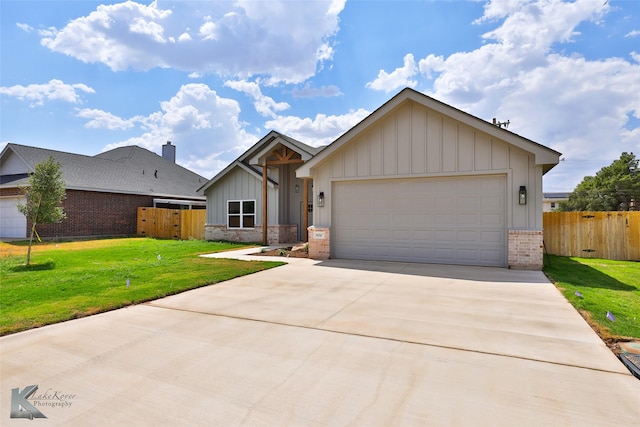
<point x="458" y="220"/>
<point x="12" y="223"/>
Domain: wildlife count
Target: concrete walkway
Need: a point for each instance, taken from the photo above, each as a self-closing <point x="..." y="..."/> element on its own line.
<point x="330" y="343"/>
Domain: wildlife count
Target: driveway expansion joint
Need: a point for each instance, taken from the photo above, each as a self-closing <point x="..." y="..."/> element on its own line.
<point x="402" y="341"/>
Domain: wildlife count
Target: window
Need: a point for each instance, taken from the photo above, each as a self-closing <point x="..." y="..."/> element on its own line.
<point x="241" y="213"/>
<point x="553" y="205"/>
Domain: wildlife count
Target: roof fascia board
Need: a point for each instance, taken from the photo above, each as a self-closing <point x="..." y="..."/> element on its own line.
<point x="301" y="145"/>
<point x="264" y="140"/>
<point x="103" y="190"/>
<point x="137" y="193"/>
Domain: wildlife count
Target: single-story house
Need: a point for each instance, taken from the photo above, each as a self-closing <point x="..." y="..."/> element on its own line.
<point x="259" y="184"/>
<point x="551" y="201"/>
<point x="421" y="181"/>
<point x="415" y="181"/>
<point x="103" y="191"/>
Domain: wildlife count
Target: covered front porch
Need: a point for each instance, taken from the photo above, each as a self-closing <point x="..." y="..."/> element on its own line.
<point x="258" y="198"/>
<point x="294" y="207"/>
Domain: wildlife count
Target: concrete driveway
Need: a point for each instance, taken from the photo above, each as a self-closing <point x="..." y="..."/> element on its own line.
<point x="329" y="343"/>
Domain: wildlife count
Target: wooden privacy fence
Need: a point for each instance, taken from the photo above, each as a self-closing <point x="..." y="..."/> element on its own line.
<point x="171" y="223"/>
<point x="609" y="235"/>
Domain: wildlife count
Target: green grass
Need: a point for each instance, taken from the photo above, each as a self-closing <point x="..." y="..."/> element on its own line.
<point x="67" y="281"/>
<point x="605" y="285"/>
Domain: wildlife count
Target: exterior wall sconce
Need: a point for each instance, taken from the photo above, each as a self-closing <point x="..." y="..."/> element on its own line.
<point x="522" y="195"/>
<point x="321" y="199"/>
<point x="297" y="188"/>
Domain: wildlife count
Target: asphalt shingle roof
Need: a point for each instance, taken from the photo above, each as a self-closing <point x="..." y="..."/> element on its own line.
<point x="131" y="170"/>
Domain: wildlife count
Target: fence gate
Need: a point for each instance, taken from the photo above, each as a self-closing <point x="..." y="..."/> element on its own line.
<point x="610" y="235"/>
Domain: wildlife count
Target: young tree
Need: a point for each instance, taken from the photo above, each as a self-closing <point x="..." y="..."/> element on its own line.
<point x="43" y="196"/>
<point x="612" y="189"/>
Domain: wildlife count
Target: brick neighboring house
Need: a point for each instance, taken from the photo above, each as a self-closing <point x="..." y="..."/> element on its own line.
<point x="103" y="191"/>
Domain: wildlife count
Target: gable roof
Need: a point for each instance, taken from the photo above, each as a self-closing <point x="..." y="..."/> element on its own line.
<point x="128" y="170"/>
<point x="252" y="156"/>
<point x="544" y="156"/>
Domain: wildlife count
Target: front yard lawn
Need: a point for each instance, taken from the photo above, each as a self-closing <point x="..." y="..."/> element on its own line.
<point x="76" y="279"/>
<point x="597" y="286"/>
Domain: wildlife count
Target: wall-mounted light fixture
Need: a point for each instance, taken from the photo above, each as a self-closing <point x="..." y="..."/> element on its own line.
<point x="522" y="195"/>
<point x="297" y="188"/>
<point x="321" y="199"/>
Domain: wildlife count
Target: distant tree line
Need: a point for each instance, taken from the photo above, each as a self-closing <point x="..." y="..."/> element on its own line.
<point x="614" y="188"/>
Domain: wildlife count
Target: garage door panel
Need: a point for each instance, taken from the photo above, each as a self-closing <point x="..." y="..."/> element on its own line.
<point x="439" y="220"/>
<point x="492" y="237"/>
<point x="491" y="256"/>
<point x="491" y="202"/>
<point x="443" y="220"/>
<point x="490" y="220"/>
<point x="12" y="223"/>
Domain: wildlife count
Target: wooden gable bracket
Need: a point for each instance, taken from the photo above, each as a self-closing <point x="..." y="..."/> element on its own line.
<point x="284" y="157"/>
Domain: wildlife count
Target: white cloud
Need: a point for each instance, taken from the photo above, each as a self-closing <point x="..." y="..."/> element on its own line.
<point x="99" y="119"/>
<point x="24" y="27"/>
<point x="202" y="125"/>
<point x="574" y="105"/>
<point x="285" y="41"/>
<point x="308" y="91"/>
<point x="264" y="105"/>
<point x="149" y="28"/>
<point x="55" y="90"/>
<point x="121" y="35"/>
<point x="496" y="9"/>
<point x="321" y="130"/>
<point x="206" y="128"/>
<point x="634" y="33"/>
<point x="534" y="26"/>
<point x="399" y="77"/>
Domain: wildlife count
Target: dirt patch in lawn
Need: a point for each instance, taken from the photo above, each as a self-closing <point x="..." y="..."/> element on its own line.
<point x="19" y="248"/>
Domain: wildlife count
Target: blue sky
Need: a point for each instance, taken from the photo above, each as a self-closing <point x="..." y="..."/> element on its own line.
<point x="215" y="76"/>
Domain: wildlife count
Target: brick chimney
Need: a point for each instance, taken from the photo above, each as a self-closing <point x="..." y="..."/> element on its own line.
<point x="169" y="152"/>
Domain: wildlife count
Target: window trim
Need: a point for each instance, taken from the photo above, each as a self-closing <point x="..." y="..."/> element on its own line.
<point x="242" y="214"/>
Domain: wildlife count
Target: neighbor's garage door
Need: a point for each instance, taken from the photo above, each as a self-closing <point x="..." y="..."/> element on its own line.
<point x="12" y="223"/>
<point x="459" y="220"/>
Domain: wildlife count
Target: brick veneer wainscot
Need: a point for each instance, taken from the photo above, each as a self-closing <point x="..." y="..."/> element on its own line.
<point x="275" y="233"/>
<point x="525" y="249"/>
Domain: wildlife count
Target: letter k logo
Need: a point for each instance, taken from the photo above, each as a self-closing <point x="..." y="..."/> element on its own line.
<point x="21" y="407"/>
